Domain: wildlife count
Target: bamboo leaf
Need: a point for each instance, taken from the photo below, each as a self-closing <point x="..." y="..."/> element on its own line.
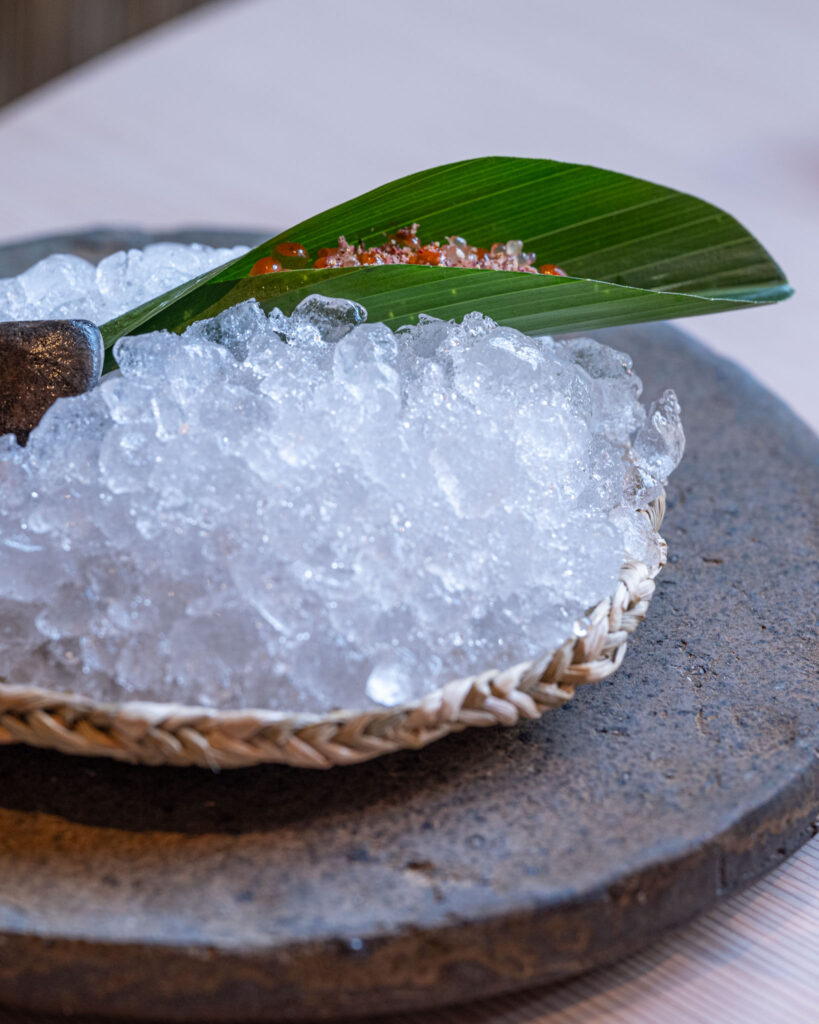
<point x="634" y="251"/>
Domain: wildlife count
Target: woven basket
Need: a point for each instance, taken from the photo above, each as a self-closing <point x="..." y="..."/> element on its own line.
<point x="172" y="734"/>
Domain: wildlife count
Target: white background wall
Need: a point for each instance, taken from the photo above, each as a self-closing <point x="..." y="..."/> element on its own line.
<point x="257" y="113"/>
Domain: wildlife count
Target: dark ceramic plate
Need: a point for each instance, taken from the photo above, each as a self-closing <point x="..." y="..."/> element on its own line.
<point x="489" y="861"/>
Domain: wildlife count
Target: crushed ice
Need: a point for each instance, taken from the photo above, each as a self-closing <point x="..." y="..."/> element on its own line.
<point x="312" y="512"/>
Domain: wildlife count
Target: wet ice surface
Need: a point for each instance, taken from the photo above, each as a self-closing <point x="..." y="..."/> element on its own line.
<point x="314" y="512"/>
<point x="66" y="287"/>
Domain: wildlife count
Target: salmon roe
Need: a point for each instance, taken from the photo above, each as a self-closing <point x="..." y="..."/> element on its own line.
<point x="428" y="256"/>
<point x="266" y="265"/>
<point x="404" y="246"/>
<point x="292" y="250"/>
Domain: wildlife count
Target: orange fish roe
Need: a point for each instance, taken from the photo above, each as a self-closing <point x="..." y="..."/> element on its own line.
<point x="266" y="265"/>
<point x="404" y="246"/>
<point x="293" y="250"/>
<point x="429" y="256"/>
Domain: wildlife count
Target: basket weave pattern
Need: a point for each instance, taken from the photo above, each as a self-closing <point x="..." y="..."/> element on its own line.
<point x="172" y="734"/>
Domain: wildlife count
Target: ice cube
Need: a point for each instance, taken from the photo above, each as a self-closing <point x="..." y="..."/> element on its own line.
<point x="333" y="318"/>
<point x="660" y="442"/>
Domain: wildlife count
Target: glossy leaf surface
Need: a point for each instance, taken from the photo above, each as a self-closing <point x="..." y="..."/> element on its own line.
<point x="634" y="251"/>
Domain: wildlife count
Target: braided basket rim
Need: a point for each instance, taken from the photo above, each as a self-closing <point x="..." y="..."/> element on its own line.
<point x="154" y="733"/>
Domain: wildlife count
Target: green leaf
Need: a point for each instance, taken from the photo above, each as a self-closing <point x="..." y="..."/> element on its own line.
<point x="634" y="251"/>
